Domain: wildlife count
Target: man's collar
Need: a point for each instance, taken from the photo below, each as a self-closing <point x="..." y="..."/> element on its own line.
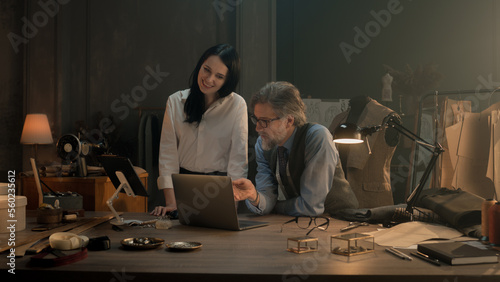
<point x="289" y="142"/>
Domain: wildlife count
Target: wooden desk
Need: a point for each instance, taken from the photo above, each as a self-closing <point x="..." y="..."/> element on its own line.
<point x="95" y="191"/>
<point x="251" y="255"/>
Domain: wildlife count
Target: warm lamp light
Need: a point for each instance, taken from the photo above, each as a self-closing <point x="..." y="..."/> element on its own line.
<point x="348" y="133"/>
<point x="36" y="130"/>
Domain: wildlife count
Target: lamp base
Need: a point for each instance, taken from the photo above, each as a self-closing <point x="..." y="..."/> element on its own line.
<point x="417" y="214"/>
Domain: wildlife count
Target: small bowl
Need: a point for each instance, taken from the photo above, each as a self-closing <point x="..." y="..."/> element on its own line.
<point x="142" y="243"/>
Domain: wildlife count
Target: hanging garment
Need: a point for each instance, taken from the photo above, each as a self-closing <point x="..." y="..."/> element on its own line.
<point x="148" y="151"/>
<point x="469" y="146"/>
<point x="452" y="113"/>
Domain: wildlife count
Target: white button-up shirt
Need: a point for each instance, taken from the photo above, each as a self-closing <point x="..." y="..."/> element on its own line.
<point x="219" y="143"/>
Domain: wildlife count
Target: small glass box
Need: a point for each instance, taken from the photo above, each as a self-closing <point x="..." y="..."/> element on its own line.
<point x="301" y="245"/>
<point x="352" y="244"/>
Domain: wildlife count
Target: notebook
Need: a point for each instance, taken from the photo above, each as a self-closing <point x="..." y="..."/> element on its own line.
<point x="457" y="253"/>
<point x="208" y="201"/>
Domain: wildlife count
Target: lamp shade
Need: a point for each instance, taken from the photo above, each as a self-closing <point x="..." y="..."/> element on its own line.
<point x="36" y="130"/>
<point x="347" y="133"/>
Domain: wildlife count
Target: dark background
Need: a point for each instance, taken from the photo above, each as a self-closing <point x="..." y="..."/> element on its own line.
<point x="81" y="58"/>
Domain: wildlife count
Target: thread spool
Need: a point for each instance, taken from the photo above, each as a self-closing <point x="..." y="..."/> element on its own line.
<point x="494" y="226"/>
<point x="484" y="218"/>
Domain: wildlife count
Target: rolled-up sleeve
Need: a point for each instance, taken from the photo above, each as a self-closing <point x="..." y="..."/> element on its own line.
<point x="238" y="154"/>
<point x="266" y="184"/>
<point x="168" y="160"/>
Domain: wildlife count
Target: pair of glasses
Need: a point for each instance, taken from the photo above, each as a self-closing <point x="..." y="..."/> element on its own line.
<point x="264" y="123"/>
<point x="304" y="222"/>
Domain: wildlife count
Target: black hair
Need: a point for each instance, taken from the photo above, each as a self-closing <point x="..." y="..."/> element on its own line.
<point x="194" y="108"/>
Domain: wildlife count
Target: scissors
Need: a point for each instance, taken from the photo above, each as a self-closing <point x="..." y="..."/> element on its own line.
<point x="353" y="225"/>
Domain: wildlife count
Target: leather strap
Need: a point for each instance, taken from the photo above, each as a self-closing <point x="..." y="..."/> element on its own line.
<point x="60" y="258"/>
<point x="99" y="244"/>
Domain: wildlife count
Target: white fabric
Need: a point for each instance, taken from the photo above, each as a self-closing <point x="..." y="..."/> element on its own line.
<point x="67" y="241"/>
<point x="219" y="143"/>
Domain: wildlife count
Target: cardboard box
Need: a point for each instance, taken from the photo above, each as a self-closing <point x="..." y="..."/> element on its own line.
<point x="12" y="213"/>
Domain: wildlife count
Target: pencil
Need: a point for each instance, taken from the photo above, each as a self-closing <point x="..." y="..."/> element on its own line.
<point x="398" y="253"/>
<point x="426" y="258"/>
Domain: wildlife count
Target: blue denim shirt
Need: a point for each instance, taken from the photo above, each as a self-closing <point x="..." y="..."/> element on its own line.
<point x="321" y="157"/>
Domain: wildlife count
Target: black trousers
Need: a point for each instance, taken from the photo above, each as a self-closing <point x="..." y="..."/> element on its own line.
<point x="185" y="171"/>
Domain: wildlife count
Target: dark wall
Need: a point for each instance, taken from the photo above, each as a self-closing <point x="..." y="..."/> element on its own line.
<point x="11" y="85"/>
<point x="84" y="62"/>
<point x="94" y="66"/>
<point x="89" y="64"/>
<point x="460" y="36"/>
<point x="130" y="55"/>
<point x="338" y="49"/>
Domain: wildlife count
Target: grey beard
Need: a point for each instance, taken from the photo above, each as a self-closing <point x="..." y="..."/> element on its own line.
<point x="266" y="146"/>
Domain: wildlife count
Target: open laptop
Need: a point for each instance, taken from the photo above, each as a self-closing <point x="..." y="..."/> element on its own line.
<point x="208" y="201"/>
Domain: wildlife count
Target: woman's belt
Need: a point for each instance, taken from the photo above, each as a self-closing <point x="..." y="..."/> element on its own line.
<point x="185" y="171"/>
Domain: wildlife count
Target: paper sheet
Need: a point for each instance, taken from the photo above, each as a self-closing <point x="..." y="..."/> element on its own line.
<point x="469" y="147"/>
<point x="323" y="112"/>
<point x="496" y="154"/>
<point x="475" y="137"/>
<point x="494" y="161"/>
<point x="453" y="137"/>
<point x="328" y="110"/>
<point x="312" y="110"/>
<point x="491" y="122"/>
<point x="408" y="234"/>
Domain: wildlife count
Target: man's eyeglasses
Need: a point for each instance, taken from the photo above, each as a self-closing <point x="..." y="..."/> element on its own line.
<point x="304" y="222"/>
<point x="264" y="123"/>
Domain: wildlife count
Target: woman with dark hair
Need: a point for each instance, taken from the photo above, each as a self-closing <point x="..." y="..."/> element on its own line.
<point x="205" y="127"/>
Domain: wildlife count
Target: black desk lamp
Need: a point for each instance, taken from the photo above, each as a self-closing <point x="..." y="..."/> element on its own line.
<point x="348" y="133"/>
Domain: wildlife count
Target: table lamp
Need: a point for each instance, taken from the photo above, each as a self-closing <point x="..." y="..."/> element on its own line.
<point x="349" y="133"/>
<point x="36" y="131"/>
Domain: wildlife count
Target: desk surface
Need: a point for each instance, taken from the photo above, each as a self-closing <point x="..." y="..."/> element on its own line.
<point x="237" y="255"/>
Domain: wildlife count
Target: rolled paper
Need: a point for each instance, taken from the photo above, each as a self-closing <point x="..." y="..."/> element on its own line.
<point x="494" y="226"/>
<point x="50" y="169"/>
<point x="484" y="217"/>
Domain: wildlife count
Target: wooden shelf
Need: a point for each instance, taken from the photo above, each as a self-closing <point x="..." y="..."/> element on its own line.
<point x="95" y="190"/>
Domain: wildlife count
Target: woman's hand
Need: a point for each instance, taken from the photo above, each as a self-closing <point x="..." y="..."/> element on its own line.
<point x="162" y="210"/>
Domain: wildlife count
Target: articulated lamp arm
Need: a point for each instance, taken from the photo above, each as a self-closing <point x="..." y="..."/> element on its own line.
<point x="436" y="149"/>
